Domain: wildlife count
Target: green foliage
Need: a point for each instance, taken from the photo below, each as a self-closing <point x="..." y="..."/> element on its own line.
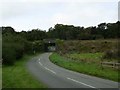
<point x="59" y="44"/>
<point x="112" y="54"/>
<point x="28" y="47"/>
<point x="8" y="30"/>
<point x="87" y="68"/>
<point x="86" y="46"/>
<point x="15" y="44"/>
<point x="35" y="34"/>
<point x="13" y="47"/>
<point x="38" y="46"/>
<point x="8" y="54"/>
<point x="86" y="57"/>
<point x="17" y="76"/>
<point x="70" y="32"/>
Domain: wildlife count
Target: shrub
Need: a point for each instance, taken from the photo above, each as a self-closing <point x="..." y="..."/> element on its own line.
<point x="12" y="47"/>
<point x="112" y="54"/>
<point x="19" y="49"/>
<point x="38" y="46"/>
<point x="8" y="54"/>
<point x="28" y="47"/>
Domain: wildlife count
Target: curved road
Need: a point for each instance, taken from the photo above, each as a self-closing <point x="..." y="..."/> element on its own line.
<point x="57" y="77"/>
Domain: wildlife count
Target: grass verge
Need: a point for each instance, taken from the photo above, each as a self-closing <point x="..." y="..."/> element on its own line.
<point x="86" y="57"/>
<point x="87" y="68"/>
<point x="0" y="76"/>
<point x="17" y="76"/>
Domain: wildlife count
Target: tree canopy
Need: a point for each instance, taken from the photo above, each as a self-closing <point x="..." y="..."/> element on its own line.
<point x="15" y="44"/>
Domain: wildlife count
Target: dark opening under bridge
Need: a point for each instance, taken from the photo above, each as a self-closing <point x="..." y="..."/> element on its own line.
<point x="49" y="45"/>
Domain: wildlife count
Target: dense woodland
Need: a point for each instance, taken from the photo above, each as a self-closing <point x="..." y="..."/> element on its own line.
<point x="16" y="44"/>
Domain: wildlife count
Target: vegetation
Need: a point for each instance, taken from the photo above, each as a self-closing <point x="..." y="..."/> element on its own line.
<point x="83" y="67"/>
<point x="16" y="44"/>
<point x="17" y="76"/>
<point x="89" y="46"/>
<point x="14" y="48"/>
<point x="114" y="54"/>
<point x="76" y="49"/>
<point x="86" y="57"/>
<point x="70" y="32"/>
<point x="0" y="76"/>
<point x="71" y="42"/>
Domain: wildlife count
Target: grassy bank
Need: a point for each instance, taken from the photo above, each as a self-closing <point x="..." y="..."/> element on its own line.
<point x="83" y="67"/>
<point x="17" y="76"/>
<point x="0" y="76"/>
<point x="86" y="57"/>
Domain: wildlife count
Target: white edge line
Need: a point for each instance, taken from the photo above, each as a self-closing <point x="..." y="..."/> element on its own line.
<point x="50" y="70"/>
<point x="81" y="83"/>
<point x="40" y="63"/>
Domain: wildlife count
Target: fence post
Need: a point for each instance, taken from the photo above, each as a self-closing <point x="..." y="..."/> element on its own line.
<point x="101" y="63"/>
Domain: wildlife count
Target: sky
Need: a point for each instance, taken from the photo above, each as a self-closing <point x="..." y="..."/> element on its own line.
<point x="43" y="14"/>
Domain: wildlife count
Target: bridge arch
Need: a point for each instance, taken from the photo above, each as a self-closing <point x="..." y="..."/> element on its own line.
<point x="49" y="45"/>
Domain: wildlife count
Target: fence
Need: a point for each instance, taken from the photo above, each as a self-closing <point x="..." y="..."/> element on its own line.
<point x="111" y="64"/>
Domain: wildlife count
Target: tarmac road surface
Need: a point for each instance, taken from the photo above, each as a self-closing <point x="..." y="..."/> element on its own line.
<point x="57" y="77"/>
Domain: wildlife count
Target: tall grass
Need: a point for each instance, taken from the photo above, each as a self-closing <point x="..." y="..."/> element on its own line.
<point x="86" y="57"/>
<point x="0" y="77"/>
<point x="17" y="76"/>
<point x="83" y="67"/>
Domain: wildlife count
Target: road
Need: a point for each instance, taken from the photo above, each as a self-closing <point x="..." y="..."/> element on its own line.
<point x="57" y="77"/>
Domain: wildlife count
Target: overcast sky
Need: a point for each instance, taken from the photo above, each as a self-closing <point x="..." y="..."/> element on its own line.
<point x="43" y="14"/>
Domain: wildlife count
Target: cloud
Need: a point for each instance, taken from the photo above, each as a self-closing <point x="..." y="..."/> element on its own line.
<point x="87" y="14"/>
<point x="61" y="18"/>
<point x="59" y="0"/>
<point x="119" y="11"/>
<point x="24" y="15"/>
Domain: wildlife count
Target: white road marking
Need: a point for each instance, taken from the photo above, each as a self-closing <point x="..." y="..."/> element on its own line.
<point x="46" y="67"/>
<point x="81" y="83"/>
<point x="40" y="63"/>
<point x="50" y="70"/>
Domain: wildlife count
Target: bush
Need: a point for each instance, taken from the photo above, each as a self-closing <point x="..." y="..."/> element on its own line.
<point x="15" y="45"/>
<point x="38" y="46"/>
<point x="19" y="49"/>
<point x="112" y="54"/>
<point x="13" y="48"/>
<point x="86" y="46"/>
<point x="8" y="54"/>
<point x="28" y="47"/>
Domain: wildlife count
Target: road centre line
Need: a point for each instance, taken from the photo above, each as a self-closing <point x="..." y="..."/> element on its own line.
<point x="67" y="77"/>
<point x="40" y="63"/>
<point x="50" y="70"/>
<point x="46" y="67"/>
<point x="81" y="82"/>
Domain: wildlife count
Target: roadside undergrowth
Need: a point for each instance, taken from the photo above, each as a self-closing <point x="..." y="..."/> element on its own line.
<point x="86" y="68"/>
<point x="17" y="76"/>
